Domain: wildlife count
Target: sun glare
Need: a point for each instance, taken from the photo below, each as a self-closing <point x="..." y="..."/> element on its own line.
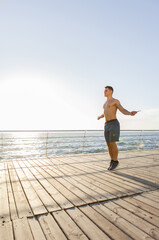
<point x="28" y="102"/>
<point x="32" y="102"/>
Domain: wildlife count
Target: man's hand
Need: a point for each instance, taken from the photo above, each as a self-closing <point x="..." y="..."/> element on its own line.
<point x="100" y="117"/>
<point x="133" y="113"/>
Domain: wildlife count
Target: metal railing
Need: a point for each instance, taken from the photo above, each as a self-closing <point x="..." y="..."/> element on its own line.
<point x="22" y="144"/>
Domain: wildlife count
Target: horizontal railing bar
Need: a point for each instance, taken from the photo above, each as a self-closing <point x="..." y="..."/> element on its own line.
<point x="86" y="136"/>
<point x="50" y="137"/>
<point x="93" y="130"/>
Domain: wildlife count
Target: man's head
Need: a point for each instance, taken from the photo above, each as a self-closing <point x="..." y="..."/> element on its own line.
<point x="108" y="91"/>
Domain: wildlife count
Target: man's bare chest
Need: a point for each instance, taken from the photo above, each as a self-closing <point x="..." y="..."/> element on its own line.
<point x="109" y="105"/>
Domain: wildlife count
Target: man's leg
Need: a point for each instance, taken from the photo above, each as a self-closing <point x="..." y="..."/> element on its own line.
<point x="115" y="162"/>
<point x="110" y="150"/>
<point x="110" y="153"/>
<point x="114" y="150"/>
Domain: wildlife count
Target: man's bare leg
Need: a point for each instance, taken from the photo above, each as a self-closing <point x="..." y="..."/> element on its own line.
<point x="114" y="150"/>
<point x="110" y="150"/>
<point x="110" y="153"/>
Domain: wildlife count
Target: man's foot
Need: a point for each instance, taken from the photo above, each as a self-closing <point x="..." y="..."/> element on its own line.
<point x="114" y="165"/>
<point x="110" y="164"/>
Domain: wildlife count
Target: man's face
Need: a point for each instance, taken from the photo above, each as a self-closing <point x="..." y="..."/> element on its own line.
<point x="107" y="92"/>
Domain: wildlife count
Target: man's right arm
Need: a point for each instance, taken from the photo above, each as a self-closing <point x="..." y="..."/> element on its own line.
<point x="101" y="116"/>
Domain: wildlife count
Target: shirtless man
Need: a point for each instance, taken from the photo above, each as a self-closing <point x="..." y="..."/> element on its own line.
<point x="112" y="126"/>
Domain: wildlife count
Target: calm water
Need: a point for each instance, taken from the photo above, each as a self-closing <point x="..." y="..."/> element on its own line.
<point x="35" y="144"/>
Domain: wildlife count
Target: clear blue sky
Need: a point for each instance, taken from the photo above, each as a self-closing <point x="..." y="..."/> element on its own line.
<point x="57" y="56"/>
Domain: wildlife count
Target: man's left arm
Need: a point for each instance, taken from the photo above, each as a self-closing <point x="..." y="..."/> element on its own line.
<point x="123" y="110"/>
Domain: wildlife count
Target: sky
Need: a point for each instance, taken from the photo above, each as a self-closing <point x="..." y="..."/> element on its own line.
<point x="56" y="57"/>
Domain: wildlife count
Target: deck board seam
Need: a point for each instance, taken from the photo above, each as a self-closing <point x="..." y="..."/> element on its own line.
<point x="83" y="205"/>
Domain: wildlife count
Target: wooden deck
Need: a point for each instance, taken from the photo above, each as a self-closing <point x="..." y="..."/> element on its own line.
<point x="75" y="197"/>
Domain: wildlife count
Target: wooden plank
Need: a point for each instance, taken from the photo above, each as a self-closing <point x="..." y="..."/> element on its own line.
<point x="36" y="229"/>
<point x="141" y="174"/>
<point x="86" y="168"/>
<point x="141" y="178"/>
<point x="109" y="228"/>
<point x="44" y="196"/>
<point x="112" y="174"/>
<point x="124" y="185"/>
<point x="151" y="197"/>
<point x="155" y="193"/>
<point x="146" y="175"/>
<point x="140" y="185"/>
<point x="88" y="227"/>
<point x="86" y="188"/>
<point x="119" y="190"/>
<point x="143" y="206"/>
<point x="153" y="165"/>
<point x="110" y="178"/>
<point x="4" y="204"/>
<point x="50" y="228"/>
<point x="140" y="223"/>
<point x="104" y="189"/>
<point x="95" y="188"/>
<point x="136" y="153"/>
<point x="22" y="204"/>
<point x="110" y="190"/>
<point x="117" y="178"/>
<point x="6" y="231"/>
<point x="32" y="197"/>
<point x="149" y="217"/>
<point x="69" y="185"/>
<point x="22" y="230"/>
<point x="101" y="167"/>
<point x="88" y="192"/>
<point x="70" y="228"/>
<point x="59" y="197"/>
<point x="56" y="195"/>
<point x="11" y="200"/>
<point x="147" y="201"/>
<point x="127" y="227"/>
<point x="62" y="189"/>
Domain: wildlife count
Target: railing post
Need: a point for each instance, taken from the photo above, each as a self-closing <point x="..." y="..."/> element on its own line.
<point x="140" y="141"/>
<point x="83" y="141"/>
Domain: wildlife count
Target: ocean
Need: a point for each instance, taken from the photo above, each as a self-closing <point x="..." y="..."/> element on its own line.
<point x="50" y="143"/>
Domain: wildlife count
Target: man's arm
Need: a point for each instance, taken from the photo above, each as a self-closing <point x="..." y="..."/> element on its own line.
<point x="101" y="116"/>
<point x="123" y="110"/>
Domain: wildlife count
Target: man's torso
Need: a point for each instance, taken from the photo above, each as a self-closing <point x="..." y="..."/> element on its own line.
<point x="110" y="109"/>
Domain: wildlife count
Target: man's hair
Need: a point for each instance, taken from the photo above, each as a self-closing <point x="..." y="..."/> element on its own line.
<point x="110" y="88"/>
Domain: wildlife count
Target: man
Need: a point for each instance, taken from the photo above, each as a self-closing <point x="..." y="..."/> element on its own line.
<point x="112" y="126"/>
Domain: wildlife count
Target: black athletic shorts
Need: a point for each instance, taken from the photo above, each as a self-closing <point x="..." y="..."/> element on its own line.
<point x="112" y="130"/>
